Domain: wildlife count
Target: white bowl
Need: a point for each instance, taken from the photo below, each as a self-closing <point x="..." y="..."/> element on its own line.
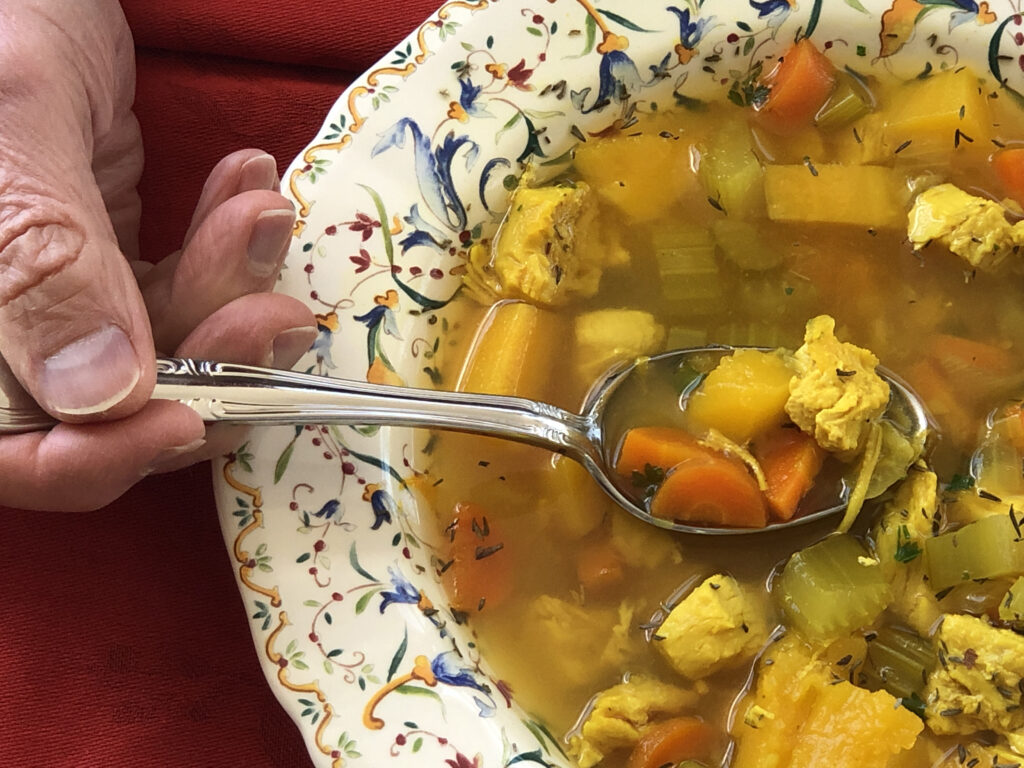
<point x="412" y="166"/>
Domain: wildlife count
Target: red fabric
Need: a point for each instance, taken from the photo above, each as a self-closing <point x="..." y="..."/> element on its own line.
<point x="124" y="641"/>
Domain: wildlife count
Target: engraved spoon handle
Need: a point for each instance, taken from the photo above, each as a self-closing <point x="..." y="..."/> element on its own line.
<point x="243" y="394"/>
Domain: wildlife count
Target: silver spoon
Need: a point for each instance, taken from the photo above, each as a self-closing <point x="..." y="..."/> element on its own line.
<point x="243" y="394"/>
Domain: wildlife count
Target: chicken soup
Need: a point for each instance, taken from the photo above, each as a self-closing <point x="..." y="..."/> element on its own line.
<point x="837" y="224"/>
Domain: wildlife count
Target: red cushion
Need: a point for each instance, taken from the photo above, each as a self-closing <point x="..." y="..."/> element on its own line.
<point x="125" y="642"/>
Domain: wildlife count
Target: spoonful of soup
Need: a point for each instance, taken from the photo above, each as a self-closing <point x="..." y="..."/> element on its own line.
<point x="706" y="440"/>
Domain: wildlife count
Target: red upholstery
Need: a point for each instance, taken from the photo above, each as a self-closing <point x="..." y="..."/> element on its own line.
<point x="124" y="641"/>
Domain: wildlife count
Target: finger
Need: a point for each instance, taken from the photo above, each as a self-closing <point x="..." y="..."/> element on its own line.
<point x="72" y="324"/>
<point x="242" y="171"/>
<point x="80" y="467"/>
<point x="262" y="329"/>
<point x="237" y="250"/>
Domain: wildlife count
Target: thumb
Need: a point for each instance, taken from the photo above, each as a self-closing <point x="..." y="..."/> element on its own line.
<point x="73" y="326"/>
<point x="72" y="323"/>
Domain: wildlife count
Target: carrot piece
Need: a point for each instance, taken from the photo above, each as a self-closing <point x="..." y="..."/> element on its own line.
<point x="800" y="85"/>
<point x="599" y="566"/>
<point x="713" y="490"/>
<point x="791" y="459"/>
<point x="662" y="447"/>
<point x="671" y="741"/>
<point x="959" y="354"/>
<point x="1009" y="167"/>
<point x="478" y="569"/>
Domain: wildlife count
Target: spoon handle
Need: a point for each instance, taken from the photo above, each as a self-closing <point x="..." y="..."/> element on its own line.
<point x="243" y="394"/>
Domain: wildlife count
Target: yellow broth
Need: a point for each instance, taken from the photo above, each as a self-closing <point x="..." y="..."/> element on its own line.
<point x="903" y="305"/>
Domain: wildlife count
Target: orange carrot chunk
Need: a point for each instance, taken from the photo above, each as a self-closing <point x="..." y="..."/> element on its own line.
<point x="478" y="569"/>
<point x="790" y="459"/>
<point x="1009" y="167"/>
<point x="662" y="447"/>
<point x="800" y="85"/>
<point x="711" y="490"/>
<point x="599" y="566"/>
<point x="671" y="741"/>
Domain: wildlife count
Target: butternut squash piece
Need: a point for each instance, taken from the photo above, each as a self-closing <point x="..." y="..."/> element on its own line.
<point x="799" y="715"/>
<point x="643" y="176"/>
<point x="937" y="115"/>
<point x="514" y="352"/>
<point x="744" y="396"/>
<point x="862" y="195"/>
<point x="574" y="502"/>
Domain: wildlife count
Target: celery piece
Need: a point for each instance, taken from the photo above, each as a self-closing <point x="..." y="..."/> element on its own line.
<point x="682" y="337"/>
<point x="849" y="101"/>
<point x="731" y="173"/>
<point x="690" y="277"/>
<point x="996" y="465"/>
<point x="743" y="243"/>
<point x="899" y="661"/>
<point x="754" y="334"/>
<point x="831" y="588"/>
<point x="987" y="548"/>
<point x="1011" y="608"/>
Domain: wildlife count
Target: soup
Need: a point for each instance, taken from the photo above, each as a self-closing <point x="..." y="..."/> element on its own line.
<point x="723" y="224"/>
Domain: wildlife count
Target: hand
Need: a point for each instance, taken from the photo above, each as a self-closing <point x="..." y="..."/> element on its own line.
<point x="80" y="322"/>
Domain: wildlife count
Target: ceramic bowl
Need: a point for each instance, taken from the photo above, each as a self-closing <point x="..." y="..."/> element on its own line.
<point x="334" y="557"/>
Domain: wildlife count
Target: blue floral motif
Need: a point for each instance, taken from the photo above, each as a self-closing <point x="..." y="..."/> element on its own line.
<point x="403" y="592"/>
<point x="380" y="318"/>
<point x="423" y="233"/>
<point x="768" y="7"/>
<point x="618" y="78"/>
<point x="690" y="31"/>
<point x="446" y="672"/>
<point x="468" y="94"/>
<point x="433" y="168"/>
<point x="383" y="507"/>
<point x="328" y="510"/>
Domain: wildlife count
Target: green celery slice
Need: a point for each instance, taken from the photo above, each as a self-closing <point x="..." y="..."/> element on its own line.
<point x="849" y="101"/>
<point x="899" y="661"/>
<point x="831" y="588"/>
<point x="985" y="549"/>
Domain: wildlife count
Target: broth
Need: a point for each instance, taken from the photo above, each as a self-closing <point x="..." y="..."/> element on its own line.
<point x="954" y="333"/>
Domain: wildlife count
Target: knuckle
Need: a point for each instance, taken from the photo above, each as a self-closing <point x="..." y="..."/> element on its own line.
<point x="38" y="242"/>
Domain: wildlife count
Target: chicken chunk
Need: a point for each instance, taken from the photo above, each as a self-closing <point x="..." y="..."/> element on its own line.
<point x="619" y="714"/>
<point x="972" y="227"/>
<point x="607" y="336"/>
<point x="585" y="641"/>
<point x="836" y="393"/>
<point x="548" y="250"/>
<point x="715" y="626"/>
<point x="978" y="684"/>
<point x="899" y="536"/>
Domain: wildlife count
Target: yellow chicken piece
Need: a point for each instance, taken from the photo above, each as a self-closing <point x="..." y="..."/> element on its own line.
<point x="899" y="538"/>
<point x="548" y="250"/>
<point x="717" y="625"/>
<point x="586" y="642"/>
<point x="608" y="336"/>
<point x="836" y="393"/>
<point x="972" y="227"/>
<point x="977" y="685"/>
<point x="620" y="712"/>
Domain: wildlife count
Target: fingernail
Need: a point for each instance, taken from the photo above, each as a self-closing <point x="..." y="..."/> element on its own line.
<point x="90" y="375"/>
<point x="259" y="172"/>
<point x="170" y="458"/>
<point x="269" y="240"/>
<point x="290" y="345"/>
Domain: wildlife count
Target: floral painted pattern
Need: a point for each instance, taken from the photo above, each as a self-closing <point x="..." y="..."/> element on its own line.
<point x="334" y="552"/>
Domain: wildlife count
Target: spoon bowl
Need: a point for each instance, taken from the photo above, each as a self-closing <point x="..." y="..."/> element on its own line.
<point x="244" y="394"/>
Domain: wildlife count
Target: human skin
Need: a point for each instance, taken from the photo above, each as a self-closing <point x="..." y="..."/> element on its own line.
<point x="81" y="318"/>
